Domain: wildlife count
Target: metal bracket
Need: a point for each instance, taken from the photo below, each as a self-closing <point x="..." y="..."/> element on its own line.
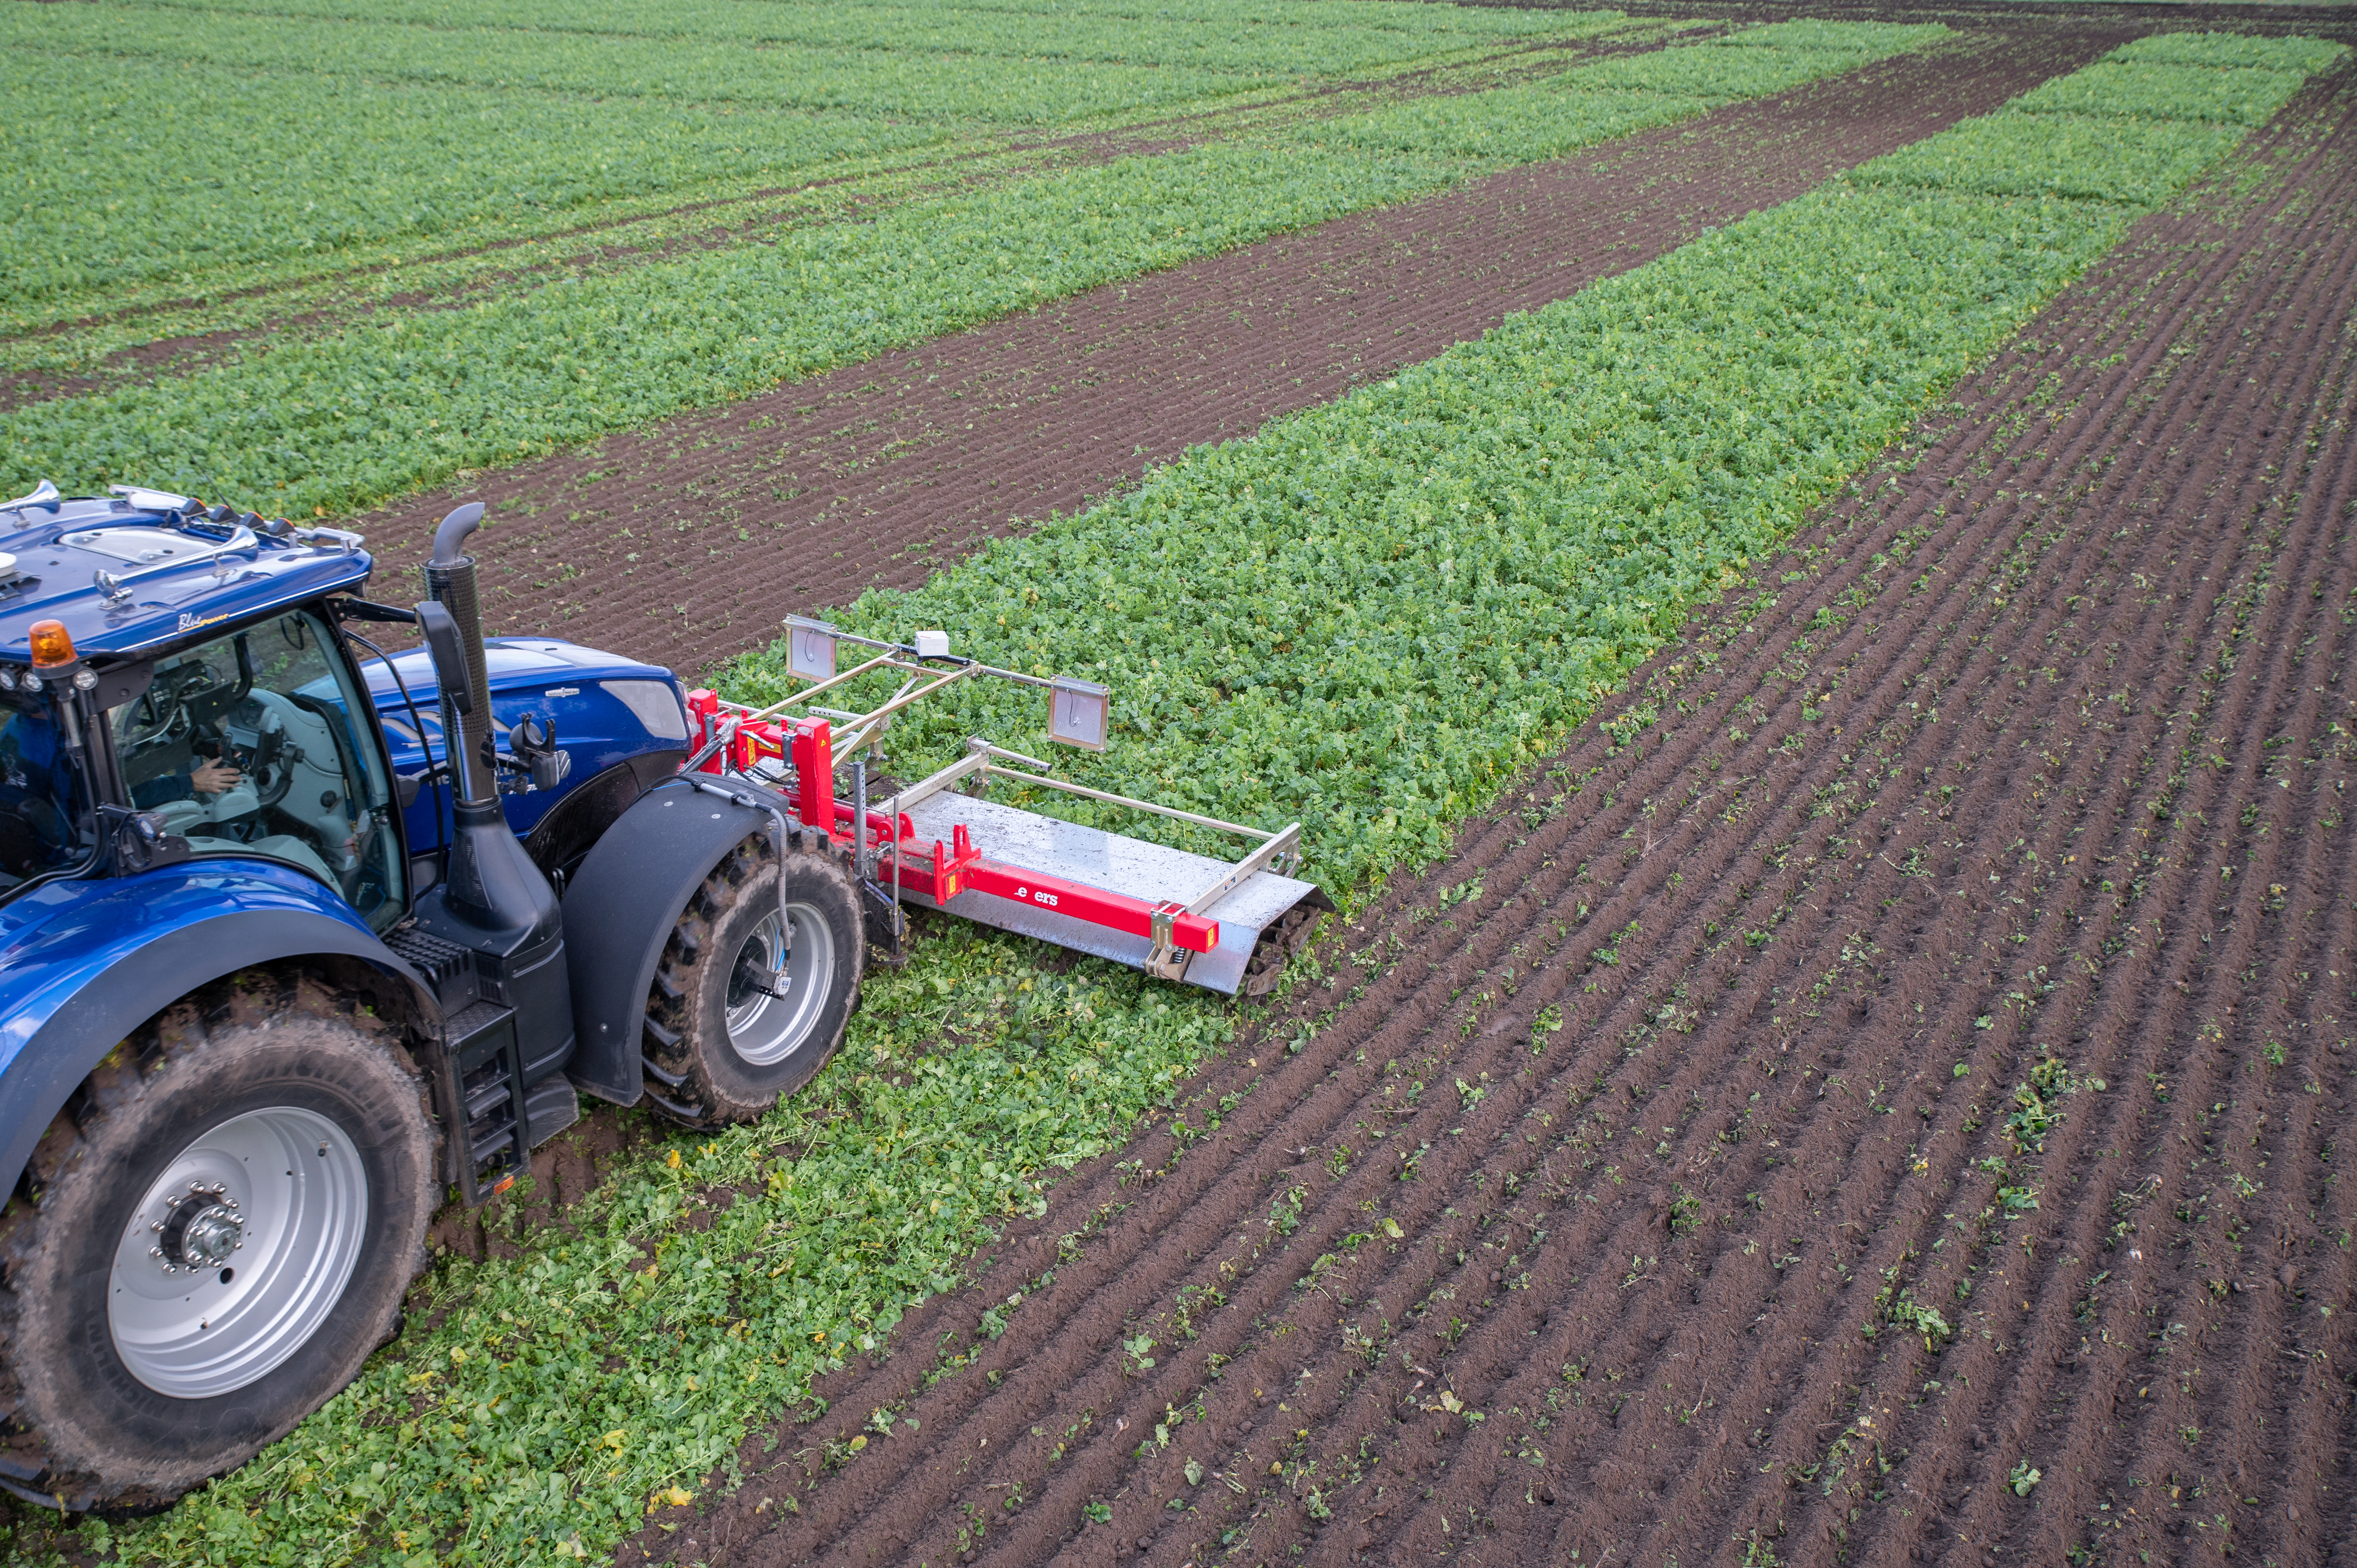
<point x="1168" y="961"/>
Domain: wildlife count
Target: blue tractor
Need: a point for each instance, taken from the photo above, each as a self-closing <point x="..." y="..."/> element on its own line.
<point x="280" y="967"/>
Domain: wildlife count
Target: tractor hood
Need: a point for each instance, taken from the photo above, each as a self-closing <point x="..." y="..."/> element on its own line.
<point x="606" y="711"/>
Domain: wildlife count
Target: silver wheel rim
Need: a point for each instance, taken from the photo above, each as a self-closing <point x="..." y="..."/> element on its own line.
<point x="766" y="1029"/>
<point x="237" y="1253"/>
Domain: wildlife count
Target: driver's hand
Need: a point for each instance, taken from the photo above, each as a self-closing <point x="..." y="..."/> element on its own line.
<point x="213" y="777"/>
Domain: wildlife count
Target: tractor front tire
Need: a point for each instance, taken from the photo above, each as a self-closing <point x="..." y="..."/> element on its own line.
<point x="730" y="1028"/>
<point x="213" y="1235"/>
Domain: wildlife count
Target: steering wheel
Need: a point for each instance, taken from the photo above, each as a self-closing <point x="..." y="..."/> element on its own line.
<point x="162" y="711"/>
<point x="271" y="768"/>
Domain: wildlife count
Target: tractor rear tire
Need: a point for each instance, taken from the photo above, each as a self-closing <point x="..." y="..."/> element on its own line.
<point x="727" y="1035"/>
<point x="182" y="1284"/>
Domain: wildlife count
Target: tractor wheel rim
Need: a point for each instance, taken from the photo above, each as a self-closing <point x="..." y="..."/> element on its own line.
<point x="237" y="1253"/>
<point x="764" y="1028"/>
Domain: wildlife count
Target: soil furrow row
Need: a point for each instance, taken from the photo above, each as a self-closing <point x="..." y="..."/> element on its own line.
<point x="2086" y="580"/>
<point x="2046" y="1322"/>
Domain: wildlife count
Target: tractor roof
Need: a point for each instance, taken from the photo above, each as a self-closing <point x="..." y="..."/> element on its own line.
<point x="143" y="569"/>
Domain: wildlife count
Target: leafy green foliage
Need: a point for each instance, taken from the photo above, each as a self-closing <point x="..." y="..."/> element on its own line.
<point x="1319" y="38"/>
<point x="1756" y="61"/>
<point x="320" y="124"/>
<point x="2037" y="1103"/>
<point x="2106" y="158"/>
<point x="109" y="191"/>
<point x="1005" y="88"/>
<point x="1616" y="97"/>
<point x="409" y="396"/>
<point x="2235" y="96"/>
<point x="1510" y="124"/>
<point x="1366" y="614"/>
<point x="2133" y="127"/>
<point x="2301" y="56"/>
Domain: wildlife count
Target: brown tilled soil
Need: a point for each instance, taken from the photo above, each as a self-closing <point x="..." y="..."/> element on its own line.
<point x="1584" y="1210"/>
<point x="686" y="543"/>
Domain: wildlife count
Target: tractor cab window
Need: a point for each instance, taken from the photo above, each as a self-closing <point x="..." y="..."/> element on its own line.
<point x="249" y="746"/>
<point x="45" y="798"/>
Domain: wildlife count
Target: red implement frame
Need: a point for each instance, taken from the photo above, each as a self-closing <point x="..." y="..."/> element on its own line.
<point x="726" y="741"/>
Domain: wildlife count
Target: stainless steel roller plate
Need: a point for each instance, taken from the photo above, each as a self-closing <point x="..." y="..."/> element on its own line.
<point x="1116" y="865"/>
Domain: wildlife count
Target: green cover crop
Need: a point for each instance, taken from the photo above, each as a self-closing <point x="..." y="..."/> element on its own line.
<point x="165" y="142"/>
<point x="1321" y="37"/>
<point x="2133" y="127"/>
<point x="1366" y="615"/>
<point x="349" y="417"/>
<point x="1609" y="98"/>
<point x="111" y="192"/>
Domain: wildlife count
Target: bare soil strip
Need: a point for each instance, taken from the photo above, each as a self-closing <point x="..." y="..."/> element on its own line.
<point x="687" y="543"/>
<point x="1696" y="1060"/>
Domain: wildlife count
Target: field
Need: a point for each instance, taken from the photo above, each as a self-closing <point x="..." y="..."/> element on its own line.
<point x="1807" y="637"/>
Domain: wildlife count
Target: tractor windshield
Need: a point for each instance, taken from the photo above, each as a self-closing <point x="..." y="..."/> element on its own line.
<point x="45" y="795"/>
<point x="247" y="746"/>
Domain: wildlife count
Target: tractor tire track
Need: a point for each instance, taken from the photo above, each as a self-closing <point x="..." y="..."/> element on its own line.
<point x="2214" y="433"/>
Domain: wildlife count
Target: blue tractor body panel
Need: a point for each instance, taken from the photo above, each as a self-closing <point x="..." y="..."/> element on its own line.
<point x="606" y="711"/>
<point x="85" y="959"/>
<point x="85" y="962"/>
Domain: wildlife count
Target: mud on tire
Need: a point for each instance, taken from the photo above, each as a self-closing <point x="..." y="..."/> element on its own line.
<point x="727" y="1034"/>
<point x="111" y="1402"/>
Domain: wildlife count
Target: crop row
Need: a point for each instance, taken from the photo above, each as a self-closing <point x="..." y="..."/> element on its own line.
<point x="174" y="143"/>
<point x="1324" y="39"/>
<point x="1005" y="68"/>
<point x="109" y="192"/>
<point x="1364" y="615"/>
<point x="1609" y="98"/>
<point x="377" y="409"/>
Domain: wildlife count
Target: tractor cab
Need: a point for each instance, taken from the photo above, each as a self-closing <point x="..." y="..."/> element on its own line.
<point x="171" y="674"/>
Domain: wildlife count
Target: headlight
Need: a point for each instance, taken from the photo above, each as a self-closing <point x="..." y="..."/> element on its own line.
<point x="85" y="680"/>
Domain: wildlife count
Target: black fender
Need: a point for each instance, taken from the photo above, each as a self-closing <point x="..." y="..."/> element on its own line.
<point x="111" y="1003"/>
<point x="621" y="906"/>
<point x="578" y="821"/>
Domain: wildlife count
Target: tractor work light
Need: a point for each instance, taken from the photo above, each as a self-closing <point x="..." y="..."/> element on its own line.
<point x="52" y="647"/>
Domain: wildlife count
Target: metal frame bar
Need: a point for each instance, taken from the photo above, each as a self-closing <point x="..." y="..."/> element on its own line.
<point x="1177" y="931"/>
<point x="1111" y="799"/>
<point x="782" y="704"/>
<point x="1279" y="842"/>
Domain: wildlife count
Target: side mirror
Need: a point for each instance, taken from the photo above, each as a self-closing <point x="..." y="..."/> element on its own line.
<point x="448" y="651"/>
<point x="532" y="742"/>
